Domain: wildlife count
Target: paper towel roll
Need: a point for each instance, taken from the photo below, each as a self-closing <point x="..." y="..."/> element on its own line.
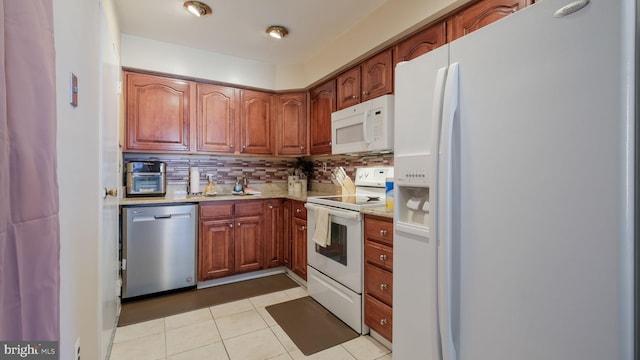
<point x="194" y="180"/>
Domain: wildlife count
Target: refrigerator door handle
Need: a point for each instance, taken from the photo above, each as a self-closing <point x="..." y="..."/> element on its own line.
<point x="445" y="226"/>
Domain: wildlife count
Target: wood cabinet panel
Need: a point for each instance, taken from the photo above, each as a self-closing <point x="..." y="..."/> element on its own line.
<point x="216" y="118"/>
<point x="249" y="244"/>
<point x="379" y="254"/>
<point x="256" y="133"/>
<point x="348" y="88"/>
<point x="377" y="75"/>
<point x="215" y="249"/>
<point x="379" y="230"/>
<point x="323" y="103"/>
<point x="299" y="210"/>
<point x="287" y="243"/>
<point x="378" y="316"/>
<point x="216" y="210"/>
<point x="420" y="43"/>
<point x="379" y="283"/>
<point x="249" y="207"/>
<point x="277" y="225"/>
<point x="292" y="122"/>
<point x="157" y="113"/>
<point x="299" y="247"/>
<point x="480" y="14"/>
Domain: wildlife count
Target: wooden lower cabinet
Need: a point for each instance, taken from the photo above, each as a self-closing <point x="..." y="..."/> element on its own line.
<point x="215" y="249"/>
<point x="278" y="234"/>
<point x="299" y="239"/>
<point x="231" y="238"/>
<point x="378" y="274"/>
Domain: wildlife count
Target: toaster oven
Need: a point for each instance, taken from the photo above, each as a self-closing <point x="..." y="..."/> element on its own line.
<point x="146" y="178"/>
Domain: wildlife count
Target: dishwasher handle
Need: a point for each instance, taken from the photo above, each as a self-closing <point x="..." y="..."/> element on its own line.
<point x="167" y="216"/>
<point x="173" y="216"/>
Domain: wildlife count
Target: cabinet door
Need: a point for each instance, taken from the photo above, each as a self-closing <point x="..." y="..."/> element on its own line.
<point x="292" y="118"/>
<point x="299" y="247"/>
<point x="420" y="43"/>
<point x="323" y="103"/>
<point x="480" y="14"/>
<point x="277" y="229"/>
<point x="286" y="252"/>
<point x="215" y="118"/>
<point x="377" y="76"/>
<point x="215" y="249"/>
<point x="256" y="133"/>
<point x="249" y="243"/>
<point x="158" y="112"/>
<point x="348" y="88"/>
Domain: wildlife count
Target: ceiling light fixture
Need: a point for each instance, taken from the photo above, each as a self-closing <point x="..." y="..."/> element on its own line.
<point x="197" y="8"/>
<point x="277" y="31"/>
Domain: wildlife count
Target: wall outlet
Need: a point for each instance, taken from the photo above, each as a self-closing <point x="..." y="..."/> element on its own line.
<point x="77" y="352"/>
<point x="324" y="166"/>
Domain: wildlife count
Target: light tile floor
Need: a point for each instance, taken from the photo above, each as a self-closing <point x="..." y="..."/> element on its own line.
<point x="241" y="330"/>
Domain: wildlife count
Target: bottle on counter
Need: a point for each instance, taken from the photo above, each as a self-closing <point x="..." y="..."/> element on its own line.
<point x="210" y="188"/>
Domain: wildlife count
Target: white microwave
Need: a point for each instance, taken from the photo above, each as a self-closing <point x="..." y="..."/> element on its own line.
<point x="366" y="127"/>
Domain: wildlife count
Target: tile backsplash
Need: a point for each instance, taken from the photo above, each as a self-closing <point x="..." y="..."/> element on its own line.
<point x="226" y="169"/>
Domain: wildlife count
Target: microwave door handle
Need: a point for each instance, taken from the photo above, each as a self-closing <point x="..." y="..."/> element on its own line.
<point x="366" y="127"/>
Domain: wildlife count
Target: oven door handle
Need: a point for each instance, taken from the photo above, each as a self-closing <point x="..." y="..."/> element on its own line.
<point x="345" y="214"/>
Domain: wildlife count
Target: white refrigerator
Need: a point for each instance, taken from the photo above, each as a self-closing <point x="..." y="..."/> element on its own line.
<point x="520" y="138"/>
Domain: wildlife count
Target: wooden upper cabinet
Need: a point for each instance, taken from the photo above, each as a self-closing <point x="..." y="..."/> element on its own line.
<point x="256" y="132"/>
<point x="348" y="88"/>
<point x="373" y="78"/>
<point x="291" y="126"/>
<point x="216" y="118"/>
<point x="480" y="14"/>
<point x="323" y="103"/>
<point x="158" y="110"/>
<point x="377" y="75"/>
<point x="420" y="43"/>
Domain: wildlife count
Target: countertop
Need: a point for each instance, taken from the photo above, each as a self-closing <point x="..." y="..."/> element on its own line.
<point x="378" y="211"/>
<point x="220" y="197"/>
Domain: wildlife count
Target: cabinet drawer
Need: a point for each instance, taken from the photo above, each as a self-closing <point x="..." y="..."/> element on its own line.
<point x="222" y="210"/>
<point x="379" y="283"/>
<point x="379" y="230"/>
<point x="299" y="210"/>
<point x="378" y="254"/>
<point x="249" y="207"/>
<point x="377" y="316"/>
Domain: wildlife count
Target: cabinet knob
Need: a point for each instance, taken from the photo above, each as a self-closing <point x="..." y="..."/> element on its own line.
<point x="383" y="257"/>
<point x="302" y="148"/>
<point x="384" y="286"/>
<point x="238" y="224"/>
<point x="303" y="228"/>
<point x="270" y="206"/>
<point x="298" y="211"/>
<point x="354" y="97"/>
<point x="365" y="92"/>
<point x="383" y="232"/>
<point x="231" y="146"/>
<point x="230" y="225"/>
<point x="110" y="192"/>
<point x="384" y="321"/>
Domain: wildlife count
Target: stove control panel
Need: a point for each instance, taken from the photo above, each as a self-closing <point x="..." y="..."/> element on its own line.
<point x="373" y="176"/>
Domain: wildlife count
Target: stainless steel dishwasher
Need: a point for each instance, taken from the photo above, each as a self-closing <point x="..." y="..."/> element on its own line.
<point x="158" y="248"/>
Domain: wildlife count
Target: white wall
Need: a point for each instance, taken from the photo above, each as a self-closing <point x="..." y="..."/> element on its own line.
<point x="76" y="40"/>
<point x="142" y="53"/>
<point x="389" y="22"/>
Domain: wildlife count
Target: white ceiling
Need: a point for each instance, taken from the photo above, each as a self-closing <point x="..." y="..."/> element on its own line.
<point x="237" y="27"/>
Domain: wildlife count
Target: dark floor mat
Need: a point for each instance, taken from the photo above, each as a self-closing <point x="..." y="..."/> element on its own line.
<point x="309" y="325"/>
<point x="171" y="304"/>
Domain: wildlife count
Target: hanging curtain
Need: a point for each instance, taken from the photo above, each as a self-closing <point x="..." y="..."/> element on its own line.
<point x="29" y="226"/>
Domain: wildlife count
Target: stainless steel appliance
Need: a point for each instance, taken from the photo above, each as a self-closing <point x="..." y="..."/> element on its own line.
<point x="158" y="248"/>
<point x="146" y="178"/>
<point x="334" y="272"/>
<point x="366" y="127"/>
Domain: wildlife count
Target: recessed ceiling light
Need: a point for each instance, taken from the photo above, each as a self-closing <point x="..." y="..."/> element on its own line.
<point x="277" y="31"/>
<point x="197" y="8"/>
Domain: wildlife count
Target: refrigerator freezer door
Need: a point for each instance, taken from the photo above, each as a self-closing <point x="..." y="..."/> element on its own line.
<point x="542" y="187"/>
